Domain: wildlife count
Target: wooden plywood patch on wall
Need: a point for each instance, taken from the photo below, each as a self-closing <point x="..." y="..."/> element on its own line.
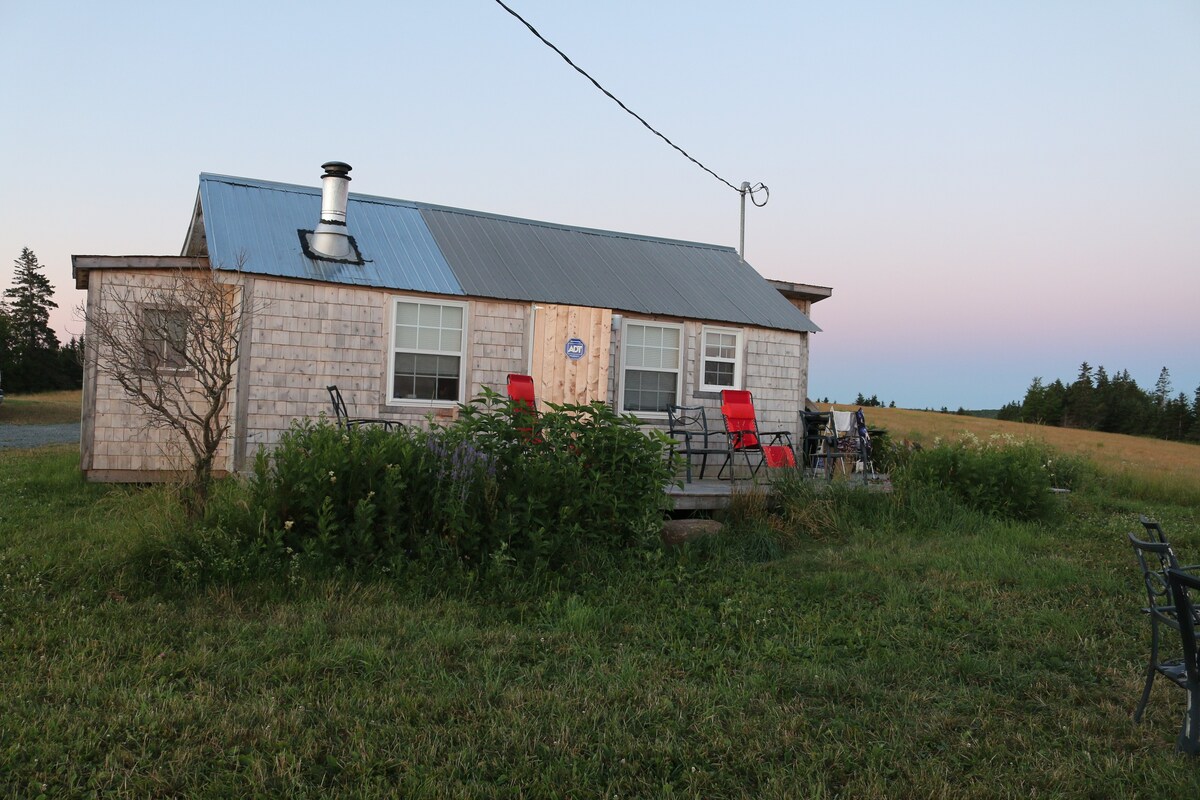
<point x="559" y="377"/>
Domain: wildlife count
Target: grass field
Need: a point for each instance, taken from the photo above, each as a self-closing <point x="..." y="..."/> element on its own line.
<point x="43" y="408"/>
<point x="929" y="654"/>
<point x="1169" y="468"/>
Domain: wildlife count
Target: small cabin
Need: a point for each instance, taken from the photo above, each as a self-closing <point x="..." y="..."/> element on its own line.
<point x="412" y="308"/>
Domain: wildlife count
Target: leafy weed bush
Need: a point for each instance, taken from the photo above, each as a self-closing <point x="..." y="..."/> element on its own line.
<point x="1000" y="476"/>
<point x="484" y="491"/>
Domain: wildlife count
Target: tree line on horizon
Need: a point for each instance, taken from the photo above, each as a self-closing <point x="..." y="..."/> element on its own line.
<point x="1112" y="404"/>
<point x="31" y="357"/>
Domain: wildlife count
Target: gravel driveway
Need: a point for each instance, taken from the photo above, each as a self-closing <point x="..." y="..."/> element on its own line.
<point x="38" y="435"/>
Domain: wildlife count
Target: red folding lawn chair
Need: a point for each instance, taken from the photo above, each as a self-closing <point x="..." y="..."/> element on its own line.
<point x="774" y="448"/>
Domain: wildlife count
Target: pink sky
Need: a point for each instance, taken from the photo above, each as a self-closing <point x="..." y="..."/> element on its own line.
<point x="994" y="191"/>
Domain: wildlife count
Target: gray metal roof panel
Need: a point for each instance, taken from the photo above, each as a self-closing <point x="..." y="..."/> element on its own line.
<point x="260" y="219"/>
<point x="522" y="259"/>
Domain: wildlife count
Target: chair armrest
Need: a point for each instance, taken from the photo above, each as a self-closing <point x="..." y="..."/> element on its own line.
<point x="686" y="436"/>
<point x="777" y="436"/>
<point x="388" y="424"/>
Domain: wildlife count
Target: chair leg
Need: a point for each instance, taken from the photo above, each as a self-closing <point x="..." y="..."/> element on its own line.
<point x="1189" y="735"/>
<point x="1150" y="671"/>
<point x="1141" y="706"/>
<point x="726" y="464"/>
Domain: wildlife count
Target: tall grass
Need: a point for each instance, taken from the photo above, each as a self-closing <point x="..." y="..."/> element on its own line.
<point x="889" y="648"/>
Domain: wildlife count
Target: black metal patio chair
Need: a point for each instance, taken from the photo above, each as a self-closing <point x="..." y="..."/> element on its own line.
<point x="1156" y="559"/>
<point x="347" y="422"/>
<point x="689" y="431"/>
<point x="1182" y="585"/>
<point x="815" y="442"/>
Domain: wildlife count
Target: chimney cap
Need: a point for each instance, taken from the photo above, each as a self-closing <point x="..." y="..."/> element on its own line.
<point x="336" y="169"/>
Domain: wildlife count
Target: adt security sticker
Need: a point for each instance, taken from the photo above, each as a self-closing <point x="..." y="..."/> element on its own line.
<point x="575" y="349"/>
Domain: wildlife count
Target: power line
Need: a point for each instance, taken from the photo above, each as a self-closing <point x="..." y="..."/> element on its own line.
<point x="624" y="107"/>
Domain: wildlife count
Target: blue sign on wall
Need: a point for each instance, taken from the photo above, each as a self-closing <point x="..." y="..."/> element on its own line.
<point x="575" y="349"/>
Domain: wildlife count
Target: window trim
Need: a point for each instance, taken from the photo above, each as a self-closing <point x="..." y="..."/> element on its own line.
<point x="678" y="326"/>
<point x="739" y="357"/>
<point x="390" y="385"/>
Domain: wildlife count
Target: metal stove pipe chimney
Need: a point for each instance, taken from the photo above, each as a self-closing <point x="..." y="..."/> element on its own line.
<point x="330" y="238"/>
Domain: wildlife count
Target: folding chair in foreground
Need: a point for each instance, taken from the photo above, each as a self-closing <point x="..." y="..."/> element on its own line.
<point x="774" y="448"/>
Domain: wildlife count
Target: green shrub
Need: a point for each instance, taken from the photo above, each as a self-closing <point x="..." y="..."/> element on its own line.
<point x="888" y="454"/>
<point x="1069" y="472"/>
<point x="1002" y="476"/>
<point x="481" y="491"/>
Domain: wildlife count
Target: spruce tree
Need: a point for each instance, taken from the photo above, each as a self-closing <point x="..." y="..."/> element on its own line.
<point x="31" y="346"/>
<point x="1193" y="434"/>
<point x="1162" y="388"/>
<point x="30" y="299"/>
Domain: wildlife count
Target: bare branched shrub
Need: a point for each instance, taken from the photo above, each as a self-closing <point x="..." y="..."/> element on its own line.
<point x="172" y="345"/>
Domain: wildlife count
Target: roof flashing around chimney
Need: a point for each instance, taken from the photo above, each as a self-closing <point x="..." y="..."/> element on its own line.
<point x="353" y="256"/>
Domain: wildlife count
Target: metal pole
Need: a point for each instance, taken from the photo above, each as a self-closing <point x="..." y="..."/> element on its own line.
<point x="742" y="234"/>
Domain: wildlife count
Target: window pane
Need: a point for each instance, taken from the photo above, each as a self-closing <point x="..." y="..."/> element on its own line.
<point x="406" y="337"/>
<point x="718" y="373"/>
<point x="451" y="340"/>
<point x="652" y="358"/>
<point x="426" y="365"/>
<point x="452" y="317"/>
<point x="428" y="339"/>
<point x="447" y="388"/>
<point x="406" y="363"/>
<point x="649" y="391"/>
<point x="720" y="345"/>
<point x="424" y="387"/>
<point x="430" y="316"/>
<point x="406" y="313"/>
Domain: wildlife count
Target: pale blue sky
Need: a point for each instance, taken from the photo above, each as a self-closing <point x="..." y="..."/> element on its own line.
<point x="994" y="190"/>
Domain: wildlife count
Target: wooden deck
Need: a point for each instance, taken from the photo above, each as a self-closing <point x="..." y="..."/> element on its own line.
<point x="710" y="493"/>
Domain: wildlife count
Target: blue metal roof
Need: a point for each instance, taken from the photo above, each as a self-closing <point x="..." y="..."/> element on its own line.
<point x="260" y="219"/>
<point x="427" y="248"/>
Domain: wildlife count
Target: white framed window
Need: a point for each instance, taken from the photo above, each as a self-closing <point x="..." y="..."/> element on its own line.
<point x="720" y="359"/>
<point x="164" y="338"/>
<point x="651" y="367"/>
<point x="428" y="354"/>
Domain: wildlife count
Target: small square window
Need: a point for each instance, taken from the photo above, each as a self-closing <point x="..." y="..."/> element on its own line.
<point x="721" y="359"/>
<point x="164" y="338"/>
